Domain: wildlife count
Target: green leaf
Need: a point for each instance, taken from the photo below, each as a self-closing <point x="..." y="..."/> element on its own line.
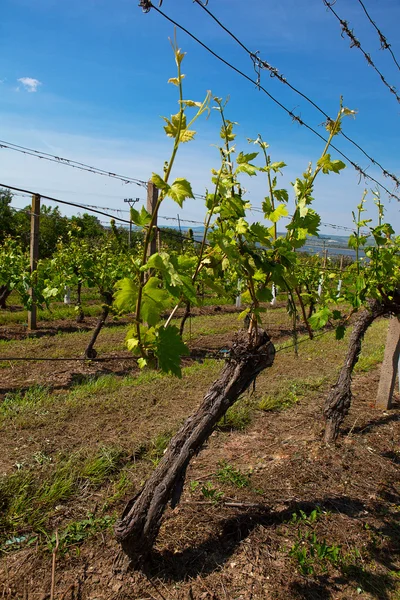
<point x="277" y="166"/>
<point x="327" y="165"/>
<point x="187" y="135"/>
<point x="279" y="212"/>
<point x="192" y="103"/>
<point x="320" y="318"/>
<point x="247" y="168"/>
<point x="142" y="363"/>
<point x="176" y="80"/>
<point x="262" y="234"/>
<point x="132" y="344"/>
<point x="162" y="262"/>
<point x="340" y="331"/>
<point x="159" y="182"/>
<point x="264" y="295"/>
<point x="154" y="301"/>
<point x="281" y="195"/>
<point x="141" y="218"/>
<point x="246" y="158"/>
<point x="180" y="190"/>
<point x="126" y="294"/>
<point x="241" y="226"/>
<point x="172" y="125"/>
<point x="169" y="349"/>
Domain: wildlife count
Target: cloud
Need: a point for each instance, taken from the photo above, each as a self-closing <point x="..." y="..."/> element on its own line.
<point x="30" y="84"/>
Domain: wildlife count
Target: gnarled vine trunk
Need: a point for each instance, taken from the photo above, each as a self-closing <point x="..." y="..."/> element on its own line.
<point x="141" y="520"/>
<point x="338" y="401"/>
<point x="4" y="293"/>
<point x="90" y="352"/>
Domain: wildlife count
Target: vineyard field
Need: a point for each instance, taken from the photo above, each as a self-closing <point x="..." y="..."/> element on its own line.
<point x="80" y="438"/>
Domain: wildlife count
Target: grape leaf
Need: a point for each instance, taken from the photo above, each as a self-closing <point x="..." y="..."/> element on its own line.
<point x="154" y="301"/>
<point x="180" y="190"/>
<point x="126" y="294"/>
<point x="169" y="349"/>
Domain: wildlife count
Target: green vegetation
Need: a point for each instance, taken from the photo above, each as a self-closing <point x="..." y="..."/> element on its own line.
<point x="76" y="532"/>
<point x="29" y="496"/>
<point x="228" y="474"/>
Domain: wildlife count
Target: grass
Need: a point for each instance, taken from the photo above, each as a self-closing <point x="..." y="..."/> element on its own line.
<point x="29" y="495"/>
<point x="17" y="402"/>
<point x="237" y="417"/>
<point x="77" y="532"/>
<point x="157" y="447"/>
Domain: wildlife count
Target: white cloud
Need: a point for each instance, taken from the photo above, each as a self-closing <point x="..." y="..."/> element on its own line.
<point x="30" y="84"/>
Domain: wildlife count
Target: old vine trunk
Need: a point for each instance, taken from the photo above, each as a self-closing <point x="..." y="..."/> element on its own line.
<point x="90" y="352"/>
<point x="339" y="399"/>
<point x="4" y="293"/>
<point x="139" y="525"/>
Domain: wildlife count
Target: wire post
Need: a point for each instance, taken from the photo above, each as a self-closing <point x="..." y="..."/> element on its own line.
<point x="389" y="366"/>
<point x="131" y="202"/>
<point x="180" y="231"/>
<point x="34" y="257"/>
<point x="152" y="197"/>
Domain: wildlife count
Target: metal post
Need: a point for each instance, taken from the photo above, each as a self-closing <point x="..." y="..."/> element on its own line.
<point x="131" y="202"/>
<point x="34" y="257"/>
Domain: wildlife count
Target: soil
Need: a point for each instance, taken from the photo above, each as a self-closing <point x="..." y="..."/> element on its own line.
<point x="18" y="331"/>
<point x="249" y="543"/>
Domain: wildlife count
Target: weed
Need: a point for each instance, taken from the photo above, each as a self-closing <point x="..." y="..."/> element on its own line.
<point x="237" y="417"/>
<point x="310" y="553"/>
<point x="301" y="516"/>
<point x="106" y="462"/>
<point x="28" y="496"/>
<point x="193" y="486"/>
<point x="120" y="488"/>
<point x="228" y="474"/>
<point x="367" y="361"/>
<point x="281" y="401"/>
<point x="41" y="458"/>
<point x="78" y="531"/>
<point x="157" y="447"/>
<point x="16" y="402"/>
<point x="290" y="394"/>
<point x="104" y="383"/>
<point x="210" y="492"/>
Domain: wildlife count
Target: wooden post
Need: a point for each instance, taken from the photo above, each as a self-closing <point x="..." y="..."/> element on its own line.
<point x="34" y="256"/>
<point x="152" y="197"/>
<point x="389" y="366"/>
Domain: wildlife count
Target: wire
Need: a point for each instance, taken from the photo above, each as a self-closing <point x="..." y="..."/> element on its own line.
<point x="102" y="359"/>
<point x="99" y="212"/>
<point x="355" y="43"/>
<point x="294" y="117"/>
<point x="181" y="220"/>
<point x="384" y="43"/>
<point x="303" y="341"/>
<point x="70" y="163"/>
<point x="257" y="62"/>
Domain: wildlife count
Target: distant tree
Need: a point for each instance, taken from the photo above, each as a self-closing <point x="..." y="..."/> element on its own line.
<point x="89" y="226"/>
<point x="6" y="214"/>
<point x="53" y="226"/>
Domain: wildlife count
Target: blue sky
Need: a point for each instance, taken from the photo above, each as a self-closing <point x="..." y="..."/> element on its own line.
<point x="88" y="81"/>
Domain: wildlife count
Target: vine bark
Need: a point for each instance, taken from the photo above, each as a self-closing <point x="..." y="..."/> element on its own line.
<point x="139" y="525"/>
